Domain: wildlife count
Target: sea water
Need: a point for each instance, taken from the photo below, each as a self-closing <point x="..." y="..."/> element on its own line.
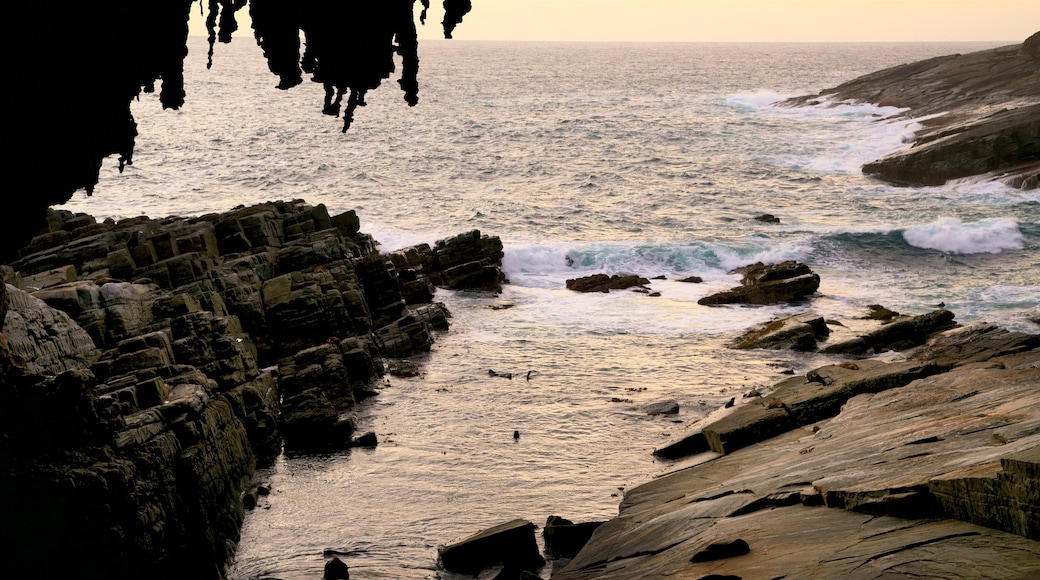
<point x="649" y="159"/>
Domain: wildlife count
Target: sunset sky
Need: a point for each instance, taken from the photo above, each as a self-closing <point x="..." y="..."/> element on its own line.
<point x="741" y="20"/>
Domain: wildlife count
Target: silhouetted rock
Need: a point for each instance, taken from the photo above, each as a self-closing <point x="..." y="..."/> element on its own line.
<point x="511" y="544"/>
<point x="336" y="569"/>
<point x="564" y="538"/>
<point x="145" y="394"/>
<point x="349" y="50"/>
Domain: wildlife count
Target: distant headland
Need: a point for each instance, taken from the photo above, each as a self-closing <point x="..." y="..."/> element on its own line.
<point x="980" y="114"/>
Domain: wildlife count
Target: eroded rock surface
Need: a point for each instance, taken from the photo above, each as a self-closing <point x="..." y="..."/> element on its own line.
<point x="768" y="284"/>
<point x="929" y="466"/>
<point x="984" y="108"/>
<point x="142" y="384"/>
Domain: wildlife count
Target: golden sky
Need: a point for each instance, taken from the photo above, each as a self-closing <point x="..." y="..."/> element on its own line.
<point x="741" y="20"/>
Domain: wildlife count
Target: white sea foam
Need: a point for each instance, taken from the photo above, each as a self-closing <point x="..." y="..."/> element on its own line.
<point x="547" y="266"/>
<point x="951" y="235"/>
<point x="843" y="136"/>
<point x="756" y="99"/>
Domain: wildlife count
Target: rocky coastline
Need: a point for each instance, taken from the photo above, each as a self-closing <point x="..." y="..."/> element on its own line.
<point x="916" y="452"/>
<point x="924" y="460"/>
<point x="148" y="366"/>
<point x="980" y="115"/>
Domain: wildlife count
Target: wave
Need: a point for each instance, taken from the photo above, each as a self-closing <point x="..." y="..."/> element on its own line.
<point x="946" y="234"/>
<point x="546" y="265"/>
<point x="952" y="236"/>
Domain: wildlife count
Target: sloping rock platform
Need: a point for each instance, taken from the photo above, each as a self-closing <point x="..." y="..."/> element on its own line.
<point x="933" y="469"/>
<point x="987" y="107"/>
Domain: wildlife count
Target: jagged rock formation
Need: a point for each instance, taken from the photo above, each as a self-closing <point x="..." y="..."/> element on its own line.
<point x="929" y="466"/>
<point x="147" y="366"/>
<point x="768" y="284"/>
<point x="990" y="115"/>
<point x="80" y="65"/>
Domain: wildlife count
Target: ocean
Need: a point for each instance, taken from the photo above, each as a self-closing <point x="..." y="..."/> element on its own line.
<point x="649" y="159"/>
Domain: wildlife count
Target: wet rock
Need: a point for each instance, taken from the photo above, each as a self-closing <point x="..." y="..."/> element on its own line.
<point x="767" y="218"/>
<point x="310" y="422"/>
<point x="367" y="440"/>
<point x="605" y="283"/>
<point x="663" y="408"/>
<point x="564" y="538"/>
<point x="848" y="494"/>
<point x="469" y="261"/>
<point x="511" y="544"/>
<point x="989" y="121"/>
<point x="692" y="280"/>
<point x="768" y="284"/>
<point x="798" y="332"/>
<point x="336" y="569"/>
<point x="901" y="334"/>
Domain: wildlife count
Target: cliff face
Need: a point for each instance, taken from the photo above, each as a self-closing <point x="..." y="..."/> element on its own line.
<point x="988" y="115"/>
<point x="147" y="367"/>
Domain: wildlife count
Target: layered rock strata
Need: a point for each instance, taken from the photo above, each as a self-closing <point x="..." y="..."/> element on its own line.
<point x="148" y="366"/>
<point x="929" y="466"/>
<point x="980" y="111"/>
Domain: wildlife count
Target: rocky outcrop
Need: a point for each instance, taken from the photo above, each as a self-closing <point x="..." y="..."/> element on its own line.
<point x="936" y="454"/>
<point x="605" y="283"/>
<point x="798" y="332"/>
<point x="143" y="384"/>
<point x="564" y="538"/>
<point x="919" y="463"/>
<point x="768" y="284"/>
<point x="984" y="110"/>
<point x="510" y="545"/>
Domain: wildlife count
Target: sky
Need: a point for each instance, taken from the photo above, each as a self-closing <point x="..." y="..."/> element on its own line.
<point x="740" y="20"/>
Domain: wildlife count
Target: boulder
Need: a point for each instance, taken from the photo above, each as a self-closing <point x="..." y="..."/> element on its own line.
<point x="798" y="332"/>
<point x="768" y="284"/>
<point x="511" y="544"/>
<point x="469" y="261"/>
<point x="336" y="569"/>
<point x="605" y="283"/>
<point x="564" y="538"/>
